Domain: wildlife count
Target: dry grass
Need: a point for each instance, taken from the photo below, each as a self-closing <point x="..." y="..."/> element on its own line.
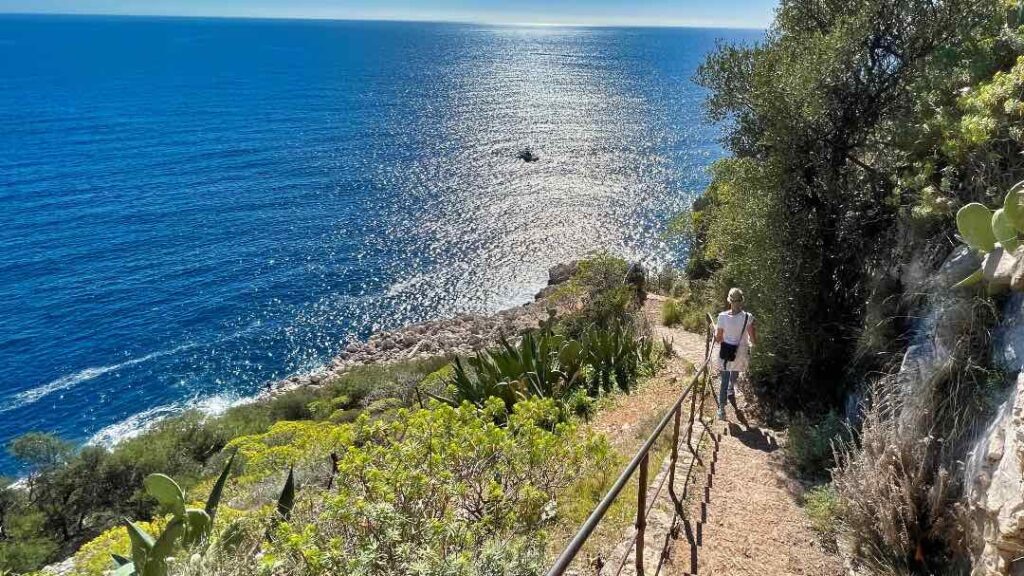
<point x="895" y="492"/>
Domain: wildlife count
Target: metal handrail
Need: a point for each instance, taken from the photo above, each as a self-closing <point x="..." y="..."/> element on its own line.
<point x="641" y="461"/>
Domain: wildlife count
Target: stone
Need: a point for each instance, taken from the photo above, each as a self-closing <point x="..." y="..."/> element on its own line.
<point x="961" y="263"/>
<point x="998" y="267"/>
<point x="1017" y="275"/>
<point x="996" y="495"/>
<point x="560" y="273"/>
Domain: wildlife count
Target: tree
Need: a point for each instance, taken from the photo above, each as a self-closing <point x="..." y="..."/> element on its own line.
<point x="40" y="451"/>
<point x="816" y="115"/>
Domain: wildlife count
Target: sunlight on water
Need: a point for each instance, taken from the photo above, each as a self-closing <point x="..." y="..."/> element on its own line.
<point x="192" y="208"/>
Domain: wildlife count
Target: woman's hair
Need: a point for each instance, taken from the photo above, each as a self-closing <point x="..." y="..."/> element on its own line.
<point x="736" y="295"/>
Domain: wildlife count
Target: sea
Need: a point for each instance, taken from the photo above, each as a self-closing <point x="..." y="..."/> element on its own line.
<point x="191" y="208"/>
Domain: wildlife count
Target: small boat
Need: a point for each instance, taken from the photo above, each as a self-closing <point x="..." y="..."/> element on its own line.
<point x="527" y="155"/>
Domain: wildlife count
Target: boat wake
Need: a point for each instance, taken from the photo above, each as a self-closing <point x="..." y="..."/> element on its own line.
<point x="33" y="395"/>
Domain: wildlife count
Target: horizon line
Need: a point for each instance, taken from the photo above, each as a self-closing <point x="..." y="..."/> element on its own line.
<point x="398" y="20"/>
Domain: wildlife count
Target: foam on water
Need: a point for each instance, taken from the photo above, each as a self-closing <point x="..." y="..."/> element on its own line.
<point x="138" y="423"/>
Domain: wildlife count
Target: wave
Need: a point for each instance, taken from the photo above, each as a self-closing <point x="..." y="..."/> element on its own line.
<point x="32" y="395"/>
<point x="136" y="424"/>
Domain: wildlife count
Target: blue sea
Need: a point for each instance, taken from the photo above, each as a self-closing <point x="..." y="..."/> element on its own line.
<point x="190" y="208"/>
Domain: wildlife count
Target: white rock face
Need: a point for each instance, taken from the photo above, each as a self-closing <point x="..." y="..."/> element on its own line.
<point x="996" y="492"/>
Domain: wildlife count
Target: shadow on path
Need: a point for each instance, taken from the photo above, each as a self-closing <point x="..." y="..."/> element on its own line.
<point x="750" y="436"/>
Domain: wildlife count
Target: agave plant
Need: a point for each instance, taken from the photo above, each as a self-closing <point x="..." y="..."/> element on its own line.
<point x="542" y="363"/>
<point x="614" y="355"/>
<point x="983" y="229"/>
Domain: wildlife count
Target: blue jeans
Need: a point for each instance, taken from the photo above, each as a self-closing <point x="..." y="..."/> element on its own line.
<point x="728" y="386"/>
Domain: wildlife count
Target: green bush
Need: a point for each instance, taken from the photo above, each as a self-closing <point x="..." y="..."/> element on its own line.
<point x="809" y="446"/>
<point x="596" y="295"/>
<point x="548" y="365"/>
<point x="446" y="490"/>
<point x="671" y="312"/>
<point x="75" y="494"/>
<point x="822" y="506"/>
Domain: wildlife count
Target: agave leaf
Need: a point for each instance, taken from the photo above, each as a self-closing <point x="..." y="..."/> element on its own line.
<point x="1013" y="205"/>
<point x="971" y="280"/>
<point x="167" y="493"/>
<point x="142" y="543"/>
<point x="287" y="500"/>
<point x="448" y="401"/>
<point x="1004" y="230"/>
<point x="218" y="489"/>
<point x="974" y="222"/>
<point x="120" y="560"/>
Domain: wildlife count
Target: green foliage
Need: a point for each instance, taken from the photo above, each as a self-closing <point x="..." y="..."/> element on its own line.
<point x="24" y="545"/>
<point x="548" y="365"/>
<point x="822" y="506"/>
<point x="615" y="356"/>
<point x="438" y="488"/>
<point x="75" y="494"/>
<point x="982" y="228"/>
<point x="976" y="224"/>
<point x="838" y="122"/>
<point x="671" y="312"/>
<point x="40" y="451"/>
<point x="596" y="295"/>
<point x="809" y="447"/>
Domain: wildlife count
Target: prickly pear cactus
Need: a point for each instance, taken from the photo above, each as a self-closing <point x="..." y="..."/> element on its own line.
<point x="983" y="229"/>
<point x="974" y="221"/>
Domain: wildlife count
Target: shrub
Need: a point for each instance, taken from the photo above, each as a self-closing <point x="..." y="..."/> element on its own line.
<point x="596" y="295"/>
<point x="822" y="506"/>
<point x="809" y="445"/>
<point x="447" y="490"/>
<point x="671" y="313"/>
<point x="895" y="493"/>
<point x="548" y="365"/>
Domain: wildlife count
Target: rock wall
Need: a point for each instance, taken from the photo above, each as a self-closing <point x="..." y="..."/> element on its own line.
<point x="993" y="472"/>
<point x="995" y="492"/>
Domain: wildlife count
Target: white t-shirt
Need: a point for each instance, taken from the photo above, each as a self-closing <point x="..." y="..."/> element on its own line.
<point x="733" y="333"/>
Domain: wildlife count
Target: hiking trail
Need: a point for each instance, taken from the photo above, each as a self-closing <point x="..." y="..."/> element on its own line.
<point x="748" y="522"/>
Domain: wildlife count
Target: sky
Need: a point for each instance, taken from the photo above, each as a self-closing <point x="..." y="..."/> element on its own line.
<point x="704" y="13"/>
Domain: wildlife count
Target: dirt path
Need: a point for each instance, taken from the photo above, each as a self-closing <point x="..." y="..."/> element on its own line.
<point x="754" y="525"/>
<point x="748" y="521"/>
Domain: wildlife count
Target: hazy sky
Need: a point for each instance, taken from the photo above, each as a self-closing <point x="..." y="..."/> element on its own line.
<point x="727" y="13"/>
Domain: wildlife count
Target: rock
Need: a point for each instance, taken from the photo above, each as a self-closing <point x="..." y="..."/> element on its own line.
<point x="996" y="492"/>
<point x="960" y="264"/>
<point x="1008" y="335"/>
<point x="1017" y="277"/>
<point x="61" y="568"/>
<point x="561" y="273"/>
<point x="998" y="268"/>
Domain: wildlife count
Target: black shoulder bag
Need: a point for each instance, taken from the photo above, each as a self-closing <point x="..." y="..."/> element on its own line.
<point x="726" y="351"/>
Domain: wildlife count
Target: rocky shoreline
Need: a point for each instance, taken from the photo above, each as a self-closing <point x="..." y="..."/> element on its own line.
<point x="461" y="334"/>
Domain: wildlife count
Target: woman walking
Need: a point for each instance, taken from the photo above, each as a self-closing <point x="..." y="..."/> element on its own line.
<point x="734" y="334"/>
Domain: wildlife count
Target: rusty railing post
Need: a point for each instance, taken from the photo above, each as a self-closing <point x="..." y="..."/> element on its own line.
<point x="641" y="514"/>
